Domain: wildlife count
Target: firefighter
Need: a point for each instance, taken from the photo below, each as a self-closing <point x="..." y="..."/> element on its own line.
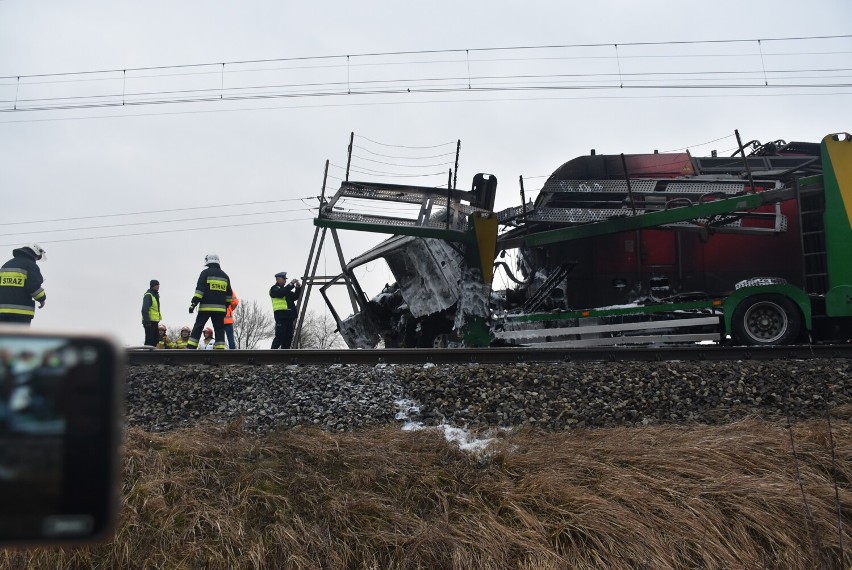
<point x="151" y="313"/>
<point x="180" y="342"/>
<point x="164" y="341"/>
<point x="229" y="321"/>
<point x="207" y="342"/>
<point x="284" y="296"/>
<point x="20" y="285"/>
<point x="212" y="296"/>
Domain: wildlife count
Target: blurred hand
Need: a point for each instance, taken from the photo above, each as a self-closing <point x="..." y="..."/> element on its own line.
<point x="191" y="308"/>
<point x="41" y="304"/>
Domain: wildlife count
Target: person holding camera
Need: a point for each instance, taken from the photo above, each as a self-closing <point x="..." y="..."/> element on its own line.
<point x="284" y="296"/>
<point x="151" y="313"/>
<point x="20" y="285"/>
<point x="212" y="296"/>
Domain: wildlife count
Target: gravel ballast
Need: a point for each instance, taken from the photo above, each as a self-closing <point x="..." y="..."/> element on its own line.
<point x="549" y="396"/>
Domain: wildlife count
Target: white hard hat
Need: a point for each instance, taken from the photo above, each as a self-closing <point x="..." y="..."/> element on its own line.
<point x="35" y="249"/>
<point x="211" y="258"/>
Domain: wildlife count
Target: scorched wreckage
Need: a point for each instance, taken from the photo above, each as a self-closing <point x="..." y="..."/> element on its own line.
<point x="754" y="248"/>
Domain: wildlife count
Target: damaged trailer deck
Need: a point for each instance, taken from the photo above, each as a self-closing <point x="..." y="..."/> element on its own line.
<point x="616" y="249"/>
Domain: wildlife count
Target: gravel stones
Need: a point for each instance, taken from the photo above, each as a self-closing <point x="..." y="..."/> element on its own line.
<point x="549" y="396"/>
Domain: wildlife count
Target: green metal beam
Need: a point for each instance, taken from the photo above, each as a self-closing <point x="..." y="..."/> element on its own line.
<point x="660" y="218"/>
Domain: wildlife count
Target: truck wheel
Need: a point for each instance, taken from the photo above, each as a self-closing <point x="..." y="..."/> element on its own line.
<point x="766" y="320"/>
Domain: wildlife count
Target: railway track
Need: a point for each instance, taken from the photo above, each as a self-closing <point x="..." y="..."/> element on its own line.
<point x="148" y="356"/>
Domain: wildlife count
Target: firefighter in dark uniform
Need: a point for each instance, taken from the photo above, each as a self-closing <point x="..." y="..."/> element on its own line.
<point x="151" y="316"/>
<point x="212" y="296"/>
<point x="20" y="285"/>
<point x="284" y="296"/>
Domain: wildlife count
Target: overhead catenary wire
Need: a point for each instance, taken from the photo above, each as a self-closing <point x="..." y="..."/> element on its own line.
<point x="418" y="85"/>
<point x="168" y="210"/>
<point x="435" y="51"/>
<point x="477" y="100"/>
<point x="422" y="91"/>
<point x="218" y="93"/>
<point x="150" y="222"/>
<point x="217" y="227"/>
<point x="444" y="84"/>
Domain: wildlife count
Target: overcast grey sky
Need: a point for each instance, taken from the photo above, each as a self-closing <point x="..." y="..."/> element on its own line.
<point x="516" y="112"/>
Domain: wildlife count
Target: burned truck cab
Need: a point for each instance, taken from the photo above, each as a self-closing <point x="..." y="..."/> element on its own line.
<point x="442" y="273"/>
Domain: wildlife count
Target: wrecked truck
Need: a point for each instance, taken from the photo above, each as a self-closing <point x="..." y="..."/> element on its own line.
<point x="655" y="248"/>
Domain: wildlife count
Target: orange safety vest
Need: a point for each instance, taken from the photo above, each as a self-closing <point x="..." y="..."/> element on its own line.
<point x="229" y="311"/>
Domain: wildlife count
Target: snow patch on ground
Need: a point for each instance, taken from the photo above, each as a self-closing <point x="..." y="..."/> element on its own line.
<point x="460" y="436"/>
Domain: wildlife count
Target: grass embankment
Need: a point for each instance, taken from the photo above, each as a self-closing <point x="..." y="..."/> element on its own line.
<point x="657" y="497"/>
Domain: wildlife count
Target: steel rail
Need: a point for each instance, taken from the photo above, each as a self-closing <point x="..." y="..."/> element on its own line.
<point x="148" y="356"/>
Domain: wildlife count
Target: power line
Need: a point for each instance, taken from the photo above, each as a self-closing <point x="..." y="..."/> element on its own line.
<point x="155" y="222"/>
<point x="126" y="98"/>
<point x="437" y="51"/>
<point x="231" y="205"/>
<point x="165" y="231"/>
<point x="433" y="102"/>
<point x="428" y="90"/>
<point x="451" y="82"/>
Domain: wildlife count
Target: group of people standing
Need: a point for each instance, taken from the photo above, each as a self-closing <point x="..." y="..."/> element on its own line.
<point x="215" y="301"/>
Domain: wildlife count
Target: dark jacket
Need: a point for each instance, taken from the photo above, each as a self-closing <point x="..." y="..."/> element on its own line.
<point x="20" y="285"/>
<point x="213" y="291"/>
<point x="289" y="292"/>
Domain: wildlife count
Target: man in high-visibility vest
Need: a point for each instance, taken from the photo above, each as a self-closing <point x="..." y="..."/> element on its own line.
<point x="229" y="320"/>
<point x="284" y="296"/>
<point x="151" y="316"/>
<point x="20" y="285"/>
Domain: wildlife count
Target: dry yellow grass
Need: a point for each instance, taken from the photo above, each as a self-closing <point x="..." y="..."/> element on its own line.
<point x="650" y="498"/>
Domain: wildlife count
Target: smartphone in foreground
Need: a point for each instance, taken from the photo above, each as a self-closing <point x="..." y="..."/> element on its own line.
<point x="61" y="399"/>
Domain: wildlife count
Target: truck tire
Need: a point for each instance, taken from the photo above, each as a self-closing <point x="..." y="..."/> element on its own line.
<point x="766" y="320"/>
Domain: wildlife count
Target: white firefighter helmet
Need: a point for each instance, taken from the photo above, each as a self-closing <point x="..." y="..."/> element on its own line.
<point x="211" y="258"/>
<point x="34" y="249"/>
